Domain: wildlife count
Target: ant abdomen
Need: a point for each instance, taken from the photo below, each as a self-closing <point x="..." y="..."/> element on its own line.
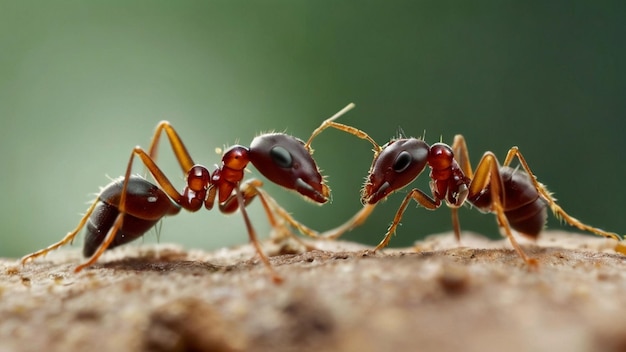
<point x="524" y="208"/>
<point x="145" y="205"/>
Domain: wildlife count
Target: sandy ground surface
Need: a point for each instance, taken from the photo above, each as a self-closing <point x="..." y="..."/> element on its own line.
<point x="436" y="296"/>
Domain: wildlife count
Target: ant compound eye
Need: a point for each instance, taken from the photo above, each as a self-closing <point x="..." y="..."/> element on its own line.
<point x="402" y="162"/>
<point x="281" y="157"/>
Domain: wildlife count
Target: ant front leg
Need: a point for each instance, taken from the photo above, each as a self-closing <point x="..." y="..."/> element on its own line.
<point x="547" y="195"/>
<point x="356" y="220"/>
<point x="418" y="196"/>
<point x="251" y="189"/>
<point x="461" y="155"/>
<point x="252" y="234"/>
<point x="488" y="176"/>
<point x="242" y="196"/>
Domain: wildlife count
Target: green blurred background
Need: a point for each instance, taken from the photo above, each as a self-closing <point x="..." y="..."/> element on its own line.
<point x="82" y="82"/>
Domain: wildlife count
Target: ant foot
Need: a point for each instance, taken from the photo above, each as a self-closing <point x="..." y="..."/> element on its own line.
<point x="620" y="247"/>
<point x="533" y="264"/>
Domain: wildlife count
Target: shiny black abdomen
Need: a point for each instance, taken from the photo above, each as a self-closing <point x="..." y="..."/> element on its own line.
<point x="524" y="208"/>
<point x="146" y="204"/>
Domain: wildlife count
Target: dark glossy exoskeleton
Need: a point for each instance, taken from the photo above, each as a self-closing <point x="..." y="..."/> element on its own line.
<point x="129" y="206"/>
<point x="524" y="208"/>
<point x="515" y="196"/>
<point x="140" y="195"/>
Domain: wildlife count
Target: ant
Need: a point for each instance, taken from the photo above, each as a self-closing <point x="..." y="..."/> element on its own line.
<point x="516" y="198"/>
<point x="129" y="206"/>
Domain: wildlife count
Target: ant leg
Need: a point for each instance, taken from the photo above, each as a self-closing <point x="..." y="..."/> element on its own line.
<point x="356" y="220"/>
<point x="456" y="225"/>
<point x="178" y="147"/>
<point x="488" y="175"/>
<point x="253" y="238"/>
<point x="69" y="238"/>
<point x="105" y="244"/>
<point x="418" y="196"/>
<point x="271" y="207"/>
<point x="461" y="154"/>
<point x="251" y="189"/>
<point x="157" y="173"/>
<point x="547" y="195"/>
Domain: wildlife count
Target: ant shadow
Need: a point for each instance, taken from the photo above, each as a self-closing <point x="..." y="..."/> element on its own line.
<point x="181" y="266"/>
<point x="164" y="261"/>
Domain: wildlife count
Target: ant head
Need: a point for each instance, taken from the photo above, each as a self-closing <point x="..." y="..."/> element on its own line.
<point x="286" y="161"/>
<point x="399" y="162"/>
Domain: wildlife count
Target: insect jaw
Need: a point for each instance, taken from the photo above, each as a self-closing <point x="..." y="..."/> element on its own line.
<point x="310" y="192"/>
<point x="372" y="195"/>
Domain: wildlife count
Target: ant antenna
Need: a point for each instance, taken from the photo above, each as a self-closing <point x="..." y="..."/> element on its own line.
<point x="349" y="129"/>
<point x="328" y="123"/>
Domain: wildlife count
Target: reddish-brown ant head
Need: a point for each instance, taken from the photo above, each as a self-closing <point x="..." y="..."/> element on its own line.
<point x="284" y="160"/>
<point x="399" y="162"/>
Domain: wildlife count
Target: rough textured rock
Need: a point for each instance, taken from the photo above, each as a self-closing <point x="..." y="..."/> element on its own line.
<point x="434" y="296"/>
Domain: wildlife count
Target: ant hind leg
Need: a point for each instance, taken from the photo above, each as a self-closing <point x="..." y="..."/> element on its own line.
<point x="488" y="175"/>
<point x="547" y="195"/>
<point x="69" y="238"/>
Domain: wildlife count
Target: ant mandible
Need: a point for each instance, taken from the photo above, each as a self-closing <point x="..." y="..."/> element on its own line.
<point x="129" y="206"/>
<point x="516" y="198"/>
